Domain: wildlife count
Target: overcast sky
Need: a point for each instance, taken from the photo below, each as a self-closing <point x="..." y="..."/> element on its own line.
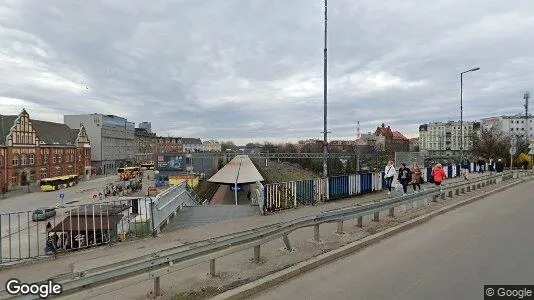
<point x="252" y="70"/>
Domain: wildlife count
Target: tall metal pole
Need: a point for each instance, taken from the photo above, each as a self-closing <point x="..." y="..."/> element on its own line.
<point x="526" y="97"/>
<point x="325" y="132"/>
<point x="461" y="116"/>
<point x="462" y="111"/>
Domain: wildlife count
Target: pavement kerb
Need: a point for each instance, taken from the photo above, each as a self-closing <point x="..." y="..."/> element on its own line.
<point x="268" y="281"/>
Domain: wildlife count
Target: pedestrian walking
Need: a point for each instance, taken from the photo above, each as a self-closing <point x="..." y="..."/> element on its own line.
<point x="464" y="166"/>
<point x="481" y="164"/>
<point x="416" y="178"/>
<point x="439" y="175"/>
<point x="389" y="174"/>
<point x="404" y="177"/>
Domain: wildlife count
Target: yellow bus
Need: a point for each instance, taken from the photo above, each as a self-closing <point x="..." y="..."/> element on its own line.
<point x="59" y="182"/>
<point x="131" y="169"/>
<point x="149" y="166"/>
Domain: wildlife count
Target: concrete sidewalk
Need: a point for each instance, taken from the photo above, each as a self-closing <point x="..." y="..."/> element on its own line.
<point x="105" y="255"/>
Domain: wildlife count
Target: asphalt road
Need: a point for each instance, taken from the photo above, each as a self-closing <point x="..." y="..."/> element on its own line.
<point x="450" y="257"/>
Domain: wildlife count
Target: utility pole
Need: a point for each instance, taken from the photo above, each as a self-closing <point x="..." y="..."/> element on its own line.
<point x="526" y="96"/>
<point x="325" y="130"/>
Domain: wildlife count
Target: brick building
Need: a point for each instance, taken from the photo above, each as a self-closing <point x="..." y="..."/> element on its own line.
<point x="170" y="145"/>
<point x="394" y="141"/>
<point x="339" y="146"/>
<point x="145" y="144"/>
<point x="33" y="149"/>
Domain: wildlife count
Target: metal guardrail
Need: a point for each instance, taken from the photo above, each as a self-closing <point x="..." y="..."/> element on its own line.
<point x="168" y="203"/>
<point x="93" y="282"/>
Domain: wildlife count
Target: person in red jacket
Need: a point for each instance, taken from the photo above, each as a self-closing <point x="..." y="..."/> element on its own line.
<point x="439" y="175"/>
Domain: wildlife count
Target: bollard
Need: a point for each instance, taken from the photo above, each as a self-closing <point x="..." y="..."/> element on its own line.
<point x="462" y="190"/>
<point x="339" y="227"/>
<point x="468" y="188"/>
<point x="360" y="222"/>
<point x="212" y="268"/>
<point x="316" y="237"/>
<point x="157" y="287"/>
<point x="257" y="253"/>
<point x="449" y="194"/>
<point x="392" y="212"/>
<point x="376" y="217"/>
<point x="442" y="195"/>
<point x="457" y="192"/>
<point x="435" y="198"/>
<point x="285" y="238"/>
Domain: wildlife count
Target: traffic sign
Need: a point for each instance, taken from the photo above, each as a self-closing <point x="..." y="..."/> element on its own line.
<point x="513" y="150"/>
<point x="61" y="196"/>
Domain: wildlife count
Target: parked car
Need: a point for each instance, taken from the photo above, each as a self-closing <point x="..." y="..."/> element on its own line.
<point x="41" y="214"/>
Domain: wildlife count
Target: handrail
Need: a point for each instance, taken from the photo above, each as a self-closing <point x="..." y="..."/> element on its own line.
<point x="118" y="275"/>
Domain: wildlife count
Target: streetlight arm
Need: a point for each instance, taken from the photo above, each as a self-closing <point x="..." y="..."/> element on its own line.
<point x="472" y="70"/>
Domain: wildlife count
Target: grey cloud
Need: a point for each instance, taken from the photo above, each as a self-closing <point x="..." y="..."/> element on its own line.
<point x="253" y="69"/>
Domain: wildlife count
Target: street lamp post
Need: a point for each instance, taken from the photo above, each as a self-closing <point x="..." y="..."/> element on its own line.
<point x="462" y="111"/>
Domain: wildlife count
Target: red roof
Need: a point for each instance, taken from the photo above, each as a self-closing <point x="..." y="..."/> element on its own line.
<point x="382" y="131"/>
<point x="398" y="136"/>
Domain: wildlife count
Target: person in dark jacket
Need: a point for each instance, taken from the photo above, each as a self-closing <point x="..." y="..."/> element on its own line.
<point x="404" y="177"/>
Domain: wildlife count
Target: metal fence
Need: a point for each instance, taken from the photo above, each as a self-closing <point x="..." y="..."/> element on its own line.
<point x="284" y="195"/>
<point x="170" y="201"/>
<point x="26" y="235"/>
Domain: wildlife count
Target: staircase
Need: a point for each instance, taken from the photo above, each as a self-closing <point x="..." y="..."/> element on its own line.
<point x="194" y="216"/>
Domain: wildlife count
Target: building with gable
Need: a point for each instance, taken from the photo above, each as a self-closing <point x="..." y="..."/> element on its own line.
<point x="393" y="141"/>
<point x="32" y="149"/>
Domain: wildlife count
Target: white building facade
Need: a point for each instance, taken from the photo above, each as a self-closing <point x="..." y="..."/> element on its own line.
<point x="211" y="146"/>
<point x="192" y="145"/>
<point x="443" y="138"/>
<point x="517" y="125"/>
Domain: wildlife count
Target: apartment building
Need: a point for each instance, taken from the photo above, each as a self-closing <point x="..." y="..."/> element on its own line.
<point x="510" y="125"/>
<point x="443" y="138"/>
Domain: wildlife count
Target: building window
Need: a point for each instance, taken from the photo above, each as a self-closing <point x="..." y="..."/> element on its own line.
<point x="1" y="160"/>
<point x="23" y="160"/>
<point x="31" y="159"/>
<point x="45" y="159"/>
<point x="32" y="176"/>
<point x="15" y="161"/>
<point x="58" y="171"/>
<point x="43" y="174"/>
<point x="14" y="178"/>
<point x="53" y="158"/>
<point x="72" y="158"/>
<point x="59" y="158"/>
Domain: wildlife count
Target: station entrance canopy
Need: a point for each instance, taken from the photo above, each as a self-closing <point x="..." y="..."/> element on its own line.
<point x="239" y="170"/>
